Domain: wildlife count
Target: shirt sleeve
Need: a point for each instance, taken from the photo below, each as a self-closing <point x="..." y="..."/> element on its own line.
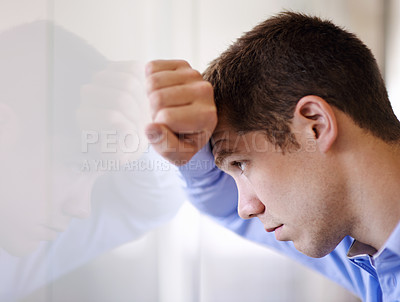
<point x="215" y="194"/>
<point x="208" y="188"/>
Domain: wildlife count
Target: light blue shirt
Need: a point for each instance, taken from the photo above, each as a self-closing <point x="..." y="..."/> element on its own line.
<point x="372" y="278"/>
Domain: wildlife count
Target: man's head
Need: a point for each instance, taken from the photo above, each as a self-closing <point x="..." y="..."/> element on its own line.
<point x="260" y="78"/>
<point x="39" y="185"/>
<point x="292" y="94"/>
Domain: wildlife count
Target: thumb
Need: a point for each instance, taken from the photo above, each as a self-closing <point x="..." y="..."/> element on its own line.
<point x="169" y="145"/>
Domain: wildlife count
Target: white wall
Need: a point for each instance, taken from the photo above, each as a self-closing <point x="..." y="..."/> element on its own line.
<point x="22" y="11"/>
<point x="392" y="55"/>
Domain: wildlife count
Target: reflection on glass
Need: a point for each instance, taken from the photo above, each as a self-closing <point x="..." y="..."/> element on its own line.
<point x="72" y="145"/>
<point x="38" y="188"/>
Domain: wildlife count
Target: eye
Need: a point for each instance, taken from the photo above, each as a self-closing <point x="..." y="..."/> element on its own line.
<point x="240" y="165"/>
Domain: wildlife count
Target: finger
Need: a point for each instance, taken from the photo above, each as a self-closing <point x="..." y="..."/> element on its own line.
<point x="119" y="80"/>
<point x="132" y="67"/>
<point x="132" y="106"/>
<point x="160" y="65"/>
<point x="169" y="78"/>
<point x="110" y="134"/>
<point x="99" y="119"/>
<point x="192" y="118"/>
<point x="179" y="96"/>
<point x="168" y="145"/>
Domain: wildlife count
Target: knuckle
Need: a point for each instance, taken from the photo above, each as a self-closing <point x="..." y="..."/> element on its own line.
<point x="212" y="113"/>
<point x="112" y="118"/>
<point x="193" y="74"/>
<point x="206" y="89"/>
<point x="150" y="67"/>
<point x="152" y="83"/>
<point x="156" y="100"/>
<point x="208" y="115"/>
<point x="182" y="64"/>
<point x="123" y="100"/>
<point x="213" y="120"/>
<point x="163" y="116"/>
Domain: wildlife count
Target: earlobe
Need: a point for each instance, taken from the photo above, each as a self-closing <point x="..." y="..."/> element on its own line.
<point x="318" y="117"/>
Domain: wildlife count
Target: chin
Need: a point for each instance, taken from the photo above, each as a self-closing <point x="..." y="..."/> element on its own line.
<point x="21" y="249"/>
<point x="314" y="251"/>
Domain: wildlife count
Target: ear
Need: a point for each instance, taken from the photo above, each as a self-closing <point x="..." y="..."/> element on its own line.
<point x="315" y="116"/>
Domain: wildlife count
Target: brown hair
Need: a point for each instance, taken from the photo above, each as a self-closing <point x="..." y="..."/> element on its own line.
<point x="260" y="78"/>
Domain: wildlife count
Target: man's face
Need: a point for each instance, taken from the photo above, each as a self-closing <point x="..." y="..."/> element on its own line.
<point x="36" y="202"/>
<point x="297" y="194"/>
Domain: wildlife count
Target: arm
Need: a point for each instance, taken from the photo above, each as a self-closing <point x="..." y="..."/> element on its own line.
<point x="184" y="117"/>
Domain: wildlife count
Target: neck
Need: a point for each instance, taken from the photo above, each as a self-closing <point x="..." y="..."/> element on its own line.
<point x="374" y="178"/>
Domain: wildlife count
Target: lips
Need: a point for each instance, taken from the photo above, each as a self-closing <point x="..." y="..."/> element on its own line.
<point x="58" y="229"/>
<point x="50" y="232"/>
<point x="269" y="230"/>
<point x="43" y="233"/>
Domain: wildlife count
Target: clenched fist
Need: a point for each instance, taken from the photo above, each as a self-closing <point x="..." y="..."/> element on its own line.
<point x="182" y="108"/>
<point x="114" y="112"/>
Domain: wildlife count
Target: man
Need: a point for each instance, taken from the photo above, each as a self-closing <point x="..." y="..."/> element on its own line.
<point x="305" y="140"/>
<point x="44" y="236"/>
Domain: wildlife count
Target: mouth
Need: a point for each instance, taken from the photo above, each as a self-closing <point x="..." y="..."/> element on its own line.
<point x="54" y="228"/>
<point x="269" y="230"/>
<point x="45" y="233"/>
<point x="57" y="229"/>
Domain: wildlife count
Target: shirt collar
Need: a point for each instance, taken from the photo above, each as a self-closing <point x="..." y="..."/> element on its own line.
<point x="393" y="243"/>
<point x="358" y="248"/>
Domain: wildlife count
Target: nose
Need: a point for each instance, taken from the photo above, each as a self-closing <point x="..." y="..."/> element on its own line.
<point x="77" y="208"/>
<point x="78" y="205"/>
<point x="249" y="204"/>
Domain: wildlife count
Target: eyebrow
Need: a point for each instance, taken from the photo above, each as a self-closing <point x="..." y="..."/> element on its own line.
<point x="221" y="155"/>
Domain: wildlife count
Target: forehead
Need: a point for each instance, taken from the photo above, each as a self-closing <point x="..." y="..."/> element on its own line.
<point x="240" y="141"/>
<point x="222" y="135"/>
<point x="227" y="142"/>
<point x="222" y="131"/>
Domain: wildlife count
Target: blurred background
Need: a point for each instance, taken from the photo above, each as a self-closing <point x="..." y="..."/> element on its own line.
<point x="132" y="237"/>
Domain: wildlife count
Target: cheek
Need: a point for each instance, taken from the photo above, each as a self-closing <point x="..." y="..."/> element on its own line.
<point x="289" y="193"/>
<point x="274" y="192"/>
<point x="292" y="186"/>
<point x="320" y="215"/>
